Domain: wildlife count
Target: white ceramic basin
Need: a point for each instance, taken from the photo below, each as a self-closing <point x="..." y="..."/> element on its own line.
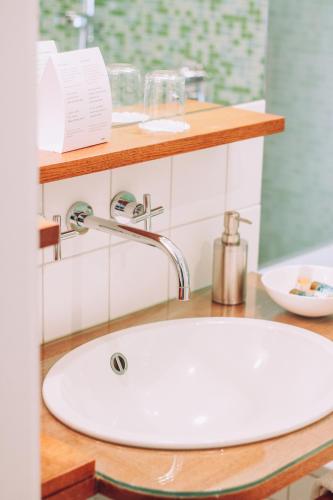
<point x="195" y="383"/>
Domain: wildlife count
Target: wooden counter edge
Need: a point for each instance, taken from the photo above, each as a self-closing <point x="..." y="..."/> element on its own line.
<point x="62" y="466"/>
<point x="260" y="491"/>
<point x="79" y="491"/>
<point x="49" y="233"/>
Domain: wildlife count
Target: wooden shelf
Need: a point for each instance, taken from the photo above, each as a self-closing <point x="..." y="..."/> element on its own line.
<point x="48" y="233"/>
<point x="210" y="126"/>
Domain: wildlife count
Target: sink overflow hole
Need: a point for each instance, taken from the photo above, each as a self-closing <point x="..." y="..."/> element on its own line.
<point x="118" y="363"/>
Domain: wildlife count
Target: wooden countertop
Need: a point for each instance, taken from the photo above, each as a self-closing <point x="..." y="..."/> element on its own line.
<point x="210" y="125"/>
<point x="63" y="467"/>
<point x="248" y="472"/>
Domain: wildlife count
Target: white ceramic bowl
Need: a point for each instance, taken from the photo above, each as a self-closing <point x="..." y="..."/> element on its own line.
<point x="279" y="281"/>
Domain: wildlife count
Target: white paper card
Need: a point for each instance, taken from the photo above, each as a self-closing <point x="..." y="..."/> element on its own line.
<point x="44" y="50"/>
<point x="74" y="101"/>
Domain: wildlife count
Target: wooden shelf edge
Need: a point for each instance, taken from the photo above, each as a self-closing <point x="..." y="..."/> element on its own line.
<point x="49" y="233"/>
<point x="62" y="466"/>
<point x="79" y="491"/>
<point x="210" y="129"/>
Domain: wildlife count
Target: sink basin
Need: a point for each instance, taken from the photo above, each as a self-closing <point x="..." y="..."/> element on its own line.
<point x="194" y="383"/>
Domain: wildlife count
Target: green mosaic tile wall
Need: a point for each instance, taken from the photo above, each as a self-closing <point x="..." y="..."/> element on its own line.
<point x="226" y="36"/>
<point x="297" y="195"/>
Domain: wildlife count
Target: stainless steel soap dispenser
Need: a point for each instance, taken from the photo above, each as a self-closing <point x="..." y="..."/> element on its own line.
<point x="230" y="262"/>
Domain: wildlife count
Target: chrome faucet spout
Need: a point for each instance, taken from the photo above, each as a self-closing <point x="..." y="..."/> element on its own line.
<point x="148" y="238"/>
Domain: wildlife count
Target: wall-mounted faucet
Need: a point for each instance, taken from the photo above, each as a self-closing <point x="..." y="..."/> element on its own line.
<point x="124" y="207"/>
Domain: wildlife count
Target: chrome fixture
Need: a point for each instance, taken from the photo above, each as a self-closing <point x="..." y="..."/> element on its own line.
<point x="80" y="218"/>
<point x="124" y="205"/>
<point x="63" y="236"/>
<point x="118" y="363"/>
<point x="81" y="21"/>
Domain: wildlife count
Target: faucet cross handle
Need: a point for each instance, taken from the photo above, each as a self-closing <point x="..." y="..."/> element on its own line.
<point x="125" y="206"/>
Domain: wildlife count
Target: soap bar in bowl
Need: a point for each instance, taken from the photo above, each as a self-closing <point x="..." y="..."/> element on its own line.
<point x="280" y="282"/>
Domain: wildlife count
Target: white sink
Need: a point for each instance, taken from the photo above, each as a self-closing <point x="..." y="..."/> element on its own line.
<point x="194" y="383"/>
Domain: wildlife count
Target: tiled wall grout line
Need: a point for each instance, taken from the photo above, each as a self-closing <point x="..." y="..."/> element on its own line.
<point x="123" y="276"/>
<point x="77" y="255"/>
<point x="226" y="180"/>
<point x="109" y="255"/>
<point x="170" y="210"/>
<point x="190" y="223"/>
<point x="109" y="249"/>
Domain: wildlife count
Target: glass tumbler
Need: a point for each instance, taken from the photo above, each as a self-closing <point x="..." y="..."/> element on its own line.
<point x="126" y="91"/>
<point x="164" y="99"/>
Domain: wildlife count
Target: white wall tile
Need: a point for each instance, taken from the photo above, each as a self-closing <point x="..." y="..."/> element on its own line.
<point x="251" y="233"/>
<point x="323" y="470"/>
<point x="258" y="106"/>
<point x="151" y="177"/>
<point x="196" y="242"/>
<point x="245" y="161"/>
<point x="138" y="278"/>
<point x="300" y="490"/>
<point x="76" y="293"/>
<point x="281" y="495"/>
<point x="60" y="195"/>
<point x="198" y="185"/>
<point x="83" y="290"/>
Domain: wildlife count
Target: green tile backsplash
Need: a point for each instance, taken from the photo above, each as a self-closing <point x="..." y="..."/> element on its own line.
<point x="226" y="36"/>
<point x="297" y="194"/>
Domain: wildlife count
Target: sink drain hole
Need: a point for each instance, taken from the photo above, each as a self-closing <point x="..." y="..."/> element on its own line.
<point x="118" y="363"/>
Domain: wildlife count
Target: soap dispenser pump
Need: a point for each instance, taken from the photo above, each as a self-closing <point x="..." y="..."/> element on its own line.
<point x="230" y="262"/>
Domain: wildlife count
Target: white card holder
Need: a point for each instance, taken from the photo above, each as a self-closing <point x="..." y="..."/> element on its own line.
<point x="45" y="49"/>
<point x="74" y="101"/>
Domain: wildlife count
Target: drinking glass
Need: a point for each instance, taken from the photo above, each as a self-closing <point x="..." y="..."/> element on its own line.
<point x="164" y="99"/>
<point x="126" y="91"/>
